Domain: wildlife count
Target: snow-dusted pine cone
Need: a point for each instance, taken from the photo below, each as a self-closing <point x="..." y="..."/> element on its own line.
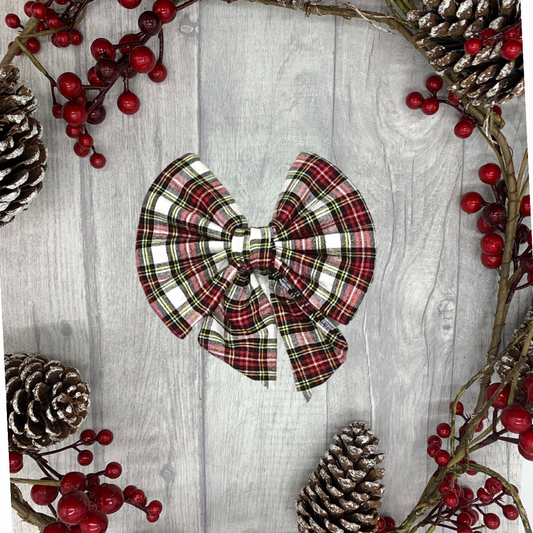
<point x="486" y="77"/>
<point x="508" y="361"/>
<point x="23" y="156"/>
<point x="344" y="492"/>
<point x="46" y="401"/>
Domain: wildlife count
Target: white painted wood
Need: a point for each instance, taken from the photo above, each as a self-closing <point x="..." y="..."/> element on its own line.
<point x="250" y="87"/>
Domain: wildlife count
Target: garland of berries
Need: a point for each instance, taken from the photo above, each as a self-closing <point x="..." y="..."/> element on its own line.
<point x="84" y="500"/>
<point x="505" y="246"/>
<point x="84" y="104"/>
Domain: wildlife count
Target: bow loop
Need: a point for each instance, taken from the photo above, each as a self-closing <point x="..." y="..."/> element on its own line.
<point x="197" y="257"/>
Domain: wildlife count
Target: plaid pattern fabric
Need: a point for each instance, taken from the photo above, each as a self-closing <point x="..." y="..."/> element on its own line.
<point x="197" y="257"/>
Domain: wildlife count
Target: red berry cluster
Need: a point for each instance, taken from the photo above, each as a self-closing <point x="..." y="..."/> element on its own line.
<point x="510" y="37"/>
<point x="460" y="509"/>
<point x="49" y="18"/>
<point x="431" y="105"/>
<point x="514" y="417"/>
<point x="84" y="501"/>
<point x="492" y="224"/>
<point x="386" y="524"/>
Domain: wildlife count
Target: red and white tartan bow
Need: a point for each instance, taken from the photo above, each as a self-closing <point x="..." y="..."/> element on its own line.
<point x="197" y="257"/>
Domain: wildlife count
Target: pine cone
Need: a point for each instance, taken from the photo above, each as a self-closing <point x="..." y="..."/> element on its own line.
<point x="23" y="156"/>
<point x="486" y="78"/>
<point x="46" y="401"/>
<point x="344" y="491"/>
<point x="509" y="359"/>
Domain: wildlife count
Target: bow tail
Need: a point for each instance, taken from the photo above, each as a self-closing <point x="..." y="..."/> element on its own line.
<point x="242" y="330"/>
<point x="315" y="346"/>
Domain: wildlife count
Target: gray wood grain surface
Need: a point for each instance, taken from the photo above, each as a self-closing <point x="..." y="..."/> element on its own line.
<point x="249" y="87"/>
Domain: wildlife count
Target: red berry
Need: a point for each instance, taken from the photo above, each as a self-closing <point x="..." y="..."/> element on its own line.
<point x="159" y="73"/>
<point x="452" y="97"/>
<point x="107" y="69"/>
<point x="94" y="79"/>
<point x="109" y="498"/>
<point x="450" y="499"/>
<point x="88" y="436"/>
<point x="142" y="59"/>
<point x="430" y="106"/>
<point x="152" y="517"/>
<point x="511" y="49"/>
<point x="484" y="495"/>
<point x="460" y="408"/>
<point x="434" y="84"/>
<point x="390" y="524"/>
<point x="16" y="462"/>
<point x="57" y="110"/>
<point x="97" y="160"/>
<point x="73" y="131"/>
<point x="486" y="33"/>
<point x="40" y="27"/>
<point x="149" y="23"/>
<point x="494" y="214"/>
<point x="468" y="494"/>
<point x="69" y="85"/>
<point x="128" y="103"/>
<point x="521" y="234"/>
<point x="443" y="430"/>
<point x="483" y="227"/>
<point x="502" y="398"/>
<point x="113" y="470"/>
<point x="516" y="419"/>
<point x="414" y="100"/>
<point x="155" y="507"/>
<point x="92" y="480"/>
<point x="56" y="527"/>
<point x="510" y="512"/>
<point x="489" y="173"/>
<point x="525" y="440"/>
<point x="525" y="206"/>
<point x="12" y="20"/>
<point x="128" y="491"/>
<point x="463" y="129"/>
<point x="86" y="141"/>
<point x="74" y="113"/>
<point x="38" y="11"/>
<point x="96" y="522"/>
<point x="497" y="109"/>
<point x="97" y="115"/>
<point x="138" y="497"/>
<point x="128" y="38"/>
<point x="61" y="39"/>
<point x="528" y="381"/>
<point x="473" y="513"/>
<point x="85" y="457"/>
<point x="432" y="449"/>
<point x="53" y="21"/>
<point x="73" y="481"/>
<point x="44" y="494"/>
<point x="105" y="437"/>
<point x="491" y="520"/>
<point x="473" y="46"/>
<point x="493" y="485"/>
<point x="73" y="507"/>
<point x="381" y="525"/>
<point x="526" y="455"/>
<point x="27" y="8"/>
<point x="130" y="4"/>
<point x="492" y="244"/>
<point x="490" y="261"/>
<point x="102" y="47"/>
<point x="472" y="202"/>
<point x="165" y="10"/>
<point x="433" y="439"/>
<point x="464" y="528"/>
<point x="442" y="457"/>
<point x="76" y="38"/>
<point x="445" y="486"/>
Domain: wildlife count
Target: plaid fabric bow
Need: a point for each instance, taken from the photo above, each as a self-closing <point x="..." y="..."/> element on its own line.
<point x="197" y="257"/>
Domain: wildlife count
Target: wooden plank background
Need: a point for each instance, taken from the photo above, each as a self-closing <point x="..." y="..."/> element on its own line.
<point x="249" y="87"/>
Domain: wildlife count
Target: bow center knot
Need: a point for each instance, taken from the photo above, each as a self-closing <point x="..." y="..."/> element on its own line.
<point x="254" y="249"/>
